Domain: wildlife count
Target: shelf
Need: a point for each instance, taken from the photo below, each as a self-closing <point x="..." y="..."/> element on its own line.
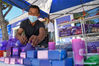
<point x="79" y="21"/>
<point x="89" y="34"/>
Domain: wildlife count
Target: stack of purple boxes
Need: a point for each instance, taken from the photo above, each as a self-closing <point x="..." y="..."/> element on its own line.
<point x="27" y="55"/>
<point x="93" y="47"/>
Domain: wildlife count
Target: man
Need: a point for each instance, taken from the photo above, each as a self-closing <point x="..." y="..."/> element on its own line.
<point x="33" y="28"/>
<point x="51" y="30"/>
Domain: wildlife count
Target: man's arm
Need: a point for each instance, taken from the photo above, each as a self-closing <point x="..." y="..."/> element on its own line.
<point x="22" y="39"/>
<point x="18" y="34"/>
<point x="42" y="34"/>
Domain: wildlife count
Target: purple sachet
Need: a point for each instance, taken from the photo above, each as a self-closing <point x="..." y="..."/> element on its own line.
<point x="27" y="47"/>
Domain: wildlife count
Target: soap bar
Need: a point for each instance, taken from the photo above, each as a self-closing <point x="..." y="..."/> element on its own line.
<point x="7" y="60"/>
<point x="23" y="54"/>
<point x="12" y="60"/>
<point x="20" y="61"/>
<point x="2" y="59"/>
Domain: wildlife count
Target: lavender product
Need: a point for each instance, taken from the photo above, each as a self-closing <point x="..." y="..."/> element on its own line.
<point x="12" y="60"/>
<point x="7" y="60"/>
<point x="19" y="61"/>
<point x="16" y="51"/>
<point x="28" y="47"/>
<point x="2" y="59"/>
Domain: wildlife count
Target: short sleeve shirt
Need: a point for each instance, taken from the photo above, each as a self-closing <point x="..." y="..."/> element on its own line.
<point x="32" y="30"/>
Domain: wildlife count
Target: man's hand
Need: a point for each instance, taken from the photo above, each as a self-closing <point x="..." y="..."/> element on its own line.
<point x="34" y="40"/>
<point x="23" y="39"/>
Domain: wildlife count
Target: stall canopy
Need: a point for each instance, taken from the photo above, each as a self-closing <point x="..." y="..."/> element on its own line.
<point x="56" y="7"/>
<point x="22" y="4"/>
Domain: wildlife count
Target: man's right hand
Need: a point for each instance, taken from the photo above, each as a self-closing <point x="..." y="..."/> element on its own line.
<point x="20" y="37"/>
<point x="23" y="39"/>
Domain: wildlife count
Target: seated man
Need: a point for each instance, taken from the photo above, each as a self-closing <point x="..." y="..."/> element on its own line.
<point x="33" y="28"/>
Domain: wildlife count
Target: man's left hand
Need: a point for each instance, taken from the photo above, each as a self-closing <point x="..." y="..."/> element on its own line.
<point x="34" y="40"/>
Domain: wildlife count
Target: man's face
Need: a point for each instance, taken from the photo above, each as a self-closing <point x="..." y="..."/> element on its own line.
<point x="33" y="12"/>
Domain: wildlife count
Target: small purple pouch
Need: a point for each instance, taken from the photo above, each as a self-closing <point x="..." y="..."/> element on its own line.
<point x="27" y="48"/>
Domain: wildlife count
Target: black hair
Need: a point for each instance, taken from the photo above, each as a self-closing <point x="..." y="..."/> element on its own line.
<point x="35" y="6"/>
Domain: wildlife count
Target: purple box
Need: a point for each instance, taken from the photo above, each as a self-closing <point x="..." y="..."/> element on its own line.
<point x="16" y="51"/>
<point x="92" y="46"/>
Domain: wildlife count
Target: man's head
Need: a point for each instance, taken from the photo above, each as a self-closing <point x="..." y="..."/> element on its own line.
<point x="34" y="13"/>
<point x="34" y="10"/>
